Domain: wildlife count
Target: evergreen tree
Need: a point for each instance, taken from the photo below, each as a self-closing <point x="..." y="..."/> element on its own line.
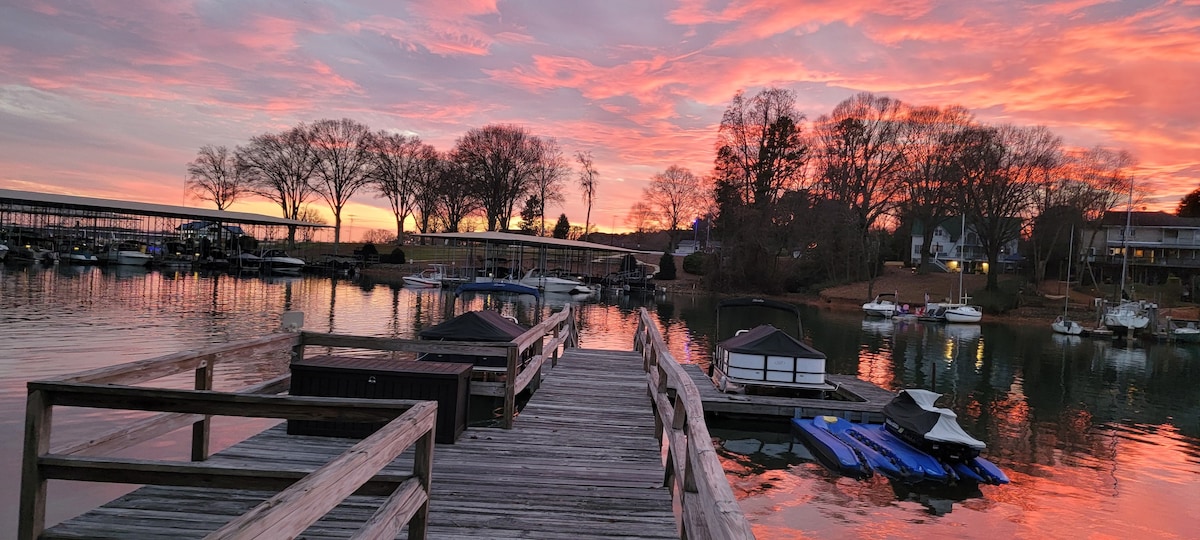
<point x="666" y="267"/>
<point x="563" y="227"/>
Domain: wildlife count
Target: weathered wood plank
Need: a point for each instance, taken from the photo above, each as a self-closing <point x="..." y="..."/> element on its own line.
<point x="290" y="512"/>
<point x="221" y="403"/>
<point x="170" y="364"/>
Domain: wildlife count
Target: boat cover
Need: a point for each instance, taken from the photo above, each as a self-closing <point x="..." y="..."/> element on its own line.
<point x="914" y="409"/>
<point x="484" y="325"/>
<point x="770" y="341"/>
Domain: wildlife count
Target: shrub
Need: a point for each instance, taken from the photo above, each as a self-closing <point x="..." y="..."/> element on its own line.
<point x="395" y="257"/>
<point x="694" y="263"/>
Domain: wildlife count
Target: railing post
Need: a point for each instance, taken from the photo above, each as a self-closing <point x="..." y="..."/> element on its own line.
<point x="510" y="386"/>
<point x="202" y="429"/>
<point x="423" y="468"/>
<point x="32" y="507"/>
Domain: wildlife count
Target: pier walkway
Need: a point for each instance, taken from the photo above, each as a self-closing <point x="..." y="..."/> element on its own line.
<point x="582" y="460"/>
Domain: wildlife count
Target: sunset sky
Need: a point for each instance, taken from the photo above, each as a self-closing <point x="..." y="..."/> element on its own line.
<point x="112" y="99"/>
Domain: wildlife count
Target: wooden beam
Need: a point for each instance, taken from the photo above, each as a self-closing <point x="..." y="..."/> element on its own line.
<point x="221" y="403"/>
<point x="171" y="364"/>
<point x="389" y="519"/>
<point x="468" y="348"/>
<point x="32" y="506"/>
<point x="158" y="425"/>
<point x="289" y="513"/>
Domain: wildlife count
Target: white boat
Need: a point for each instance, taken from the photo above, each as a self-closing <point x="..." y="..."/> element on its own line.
<point x="246" y="263"/>
<point x="766" y="357"/>
<point x="553" y="283"/>
<point x="1184" y="331"/>
<point x="884" y="305"/>
<point x="127" y="254"/>
<point x="1067" y="327"/>
<point x="428" y="278"/>
<point x="277" y="261"/>
<point x="1126" y="317"/>
<point x="1061" y="324"/>
<point x="77" y="255"/>
<point x="962" y="313"/>
<point x="3" y="251"/>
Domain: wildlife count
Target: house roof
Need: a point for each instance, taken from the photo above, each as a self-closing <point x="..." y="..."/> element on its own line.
<point x="1148" y="219"/>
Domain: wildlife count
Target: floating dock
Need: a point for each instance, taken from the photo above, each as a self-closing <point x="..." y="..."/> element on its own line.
<point x="860" y="401"/>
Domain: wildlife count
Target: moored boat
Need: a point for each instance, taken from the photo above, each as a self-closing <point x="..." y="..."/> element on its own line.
<point x="127" y="254"/>
<point x="277" y="261"/>
<point x="1127" y="317"/>
<point x="962" y="313"/>
<point x="859" y="450"/>
<point x="884" y="305"/>
<point x="428" y="278"/>
<point x="552" y="282"/>
<point x="766" y="358"/>
<point x="1063" y="325"/>
<point x="913" y="416"/>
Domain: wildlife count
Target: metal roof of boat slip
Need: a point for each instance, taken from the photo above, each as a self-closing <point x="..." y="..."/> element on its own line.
<point x="14" y="197"/>
<point x="493" y="237"/>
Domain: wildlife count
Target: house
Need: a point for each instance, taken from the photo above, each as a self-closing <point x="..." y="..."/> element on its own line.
<point x="950" y="247"/>
<point x="1159" y="245"/>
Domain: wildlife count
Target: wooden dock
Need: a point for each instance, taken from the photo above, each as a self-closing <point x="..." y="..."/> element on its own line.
<point x="581" y="460"/>
<point x="870" y="409"/>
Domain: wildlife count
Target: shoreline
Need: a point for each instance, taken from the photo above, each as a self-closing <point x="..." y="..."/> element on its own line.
<point x="1037" y="309"/>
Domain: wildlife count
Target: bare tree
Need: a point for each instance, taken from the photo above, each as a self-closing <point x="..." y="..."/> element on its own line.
<point x="930" y="180"/>
<point x="455" y="199"/>
<point x="548" y="175"/>
<point x="401" y="165"/>
<point x="761" y="154"/>
<point x="343" y="152"/>
<point x="1003" y="167"/>
<point x="214" y="176"/>
<point x="309" y="215"/>
<point x="587" y="184"/>
<point x="761" y="149"/>
<point x="640" y="218"/>
<point x="859" y="162"/>
<point x="499" y="160"/>
<point x="675" y="195"/>
<point x="277" y="167"/>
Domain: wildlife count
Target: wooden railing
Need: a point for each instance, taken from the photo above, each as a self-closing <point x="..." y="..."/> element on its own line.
<point x="706" y="499"/>
<point x="301" y="500"/>
<point x="305" y="498"/>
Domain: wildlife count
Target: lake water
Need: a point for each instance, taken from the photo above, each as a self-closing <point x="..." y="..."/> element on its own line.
<point x="1100" y="441"/>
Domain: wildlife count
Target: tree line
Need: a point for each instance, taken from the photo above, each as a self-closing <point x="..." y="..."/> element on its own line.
<point x="487" y="172"/>
<point x="798" y="203"/>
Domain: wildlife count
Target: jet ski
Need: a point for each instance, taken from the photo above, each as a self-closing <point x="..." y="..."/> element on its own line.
<point x="859" y="450"/>
<point x="913" y="417"/>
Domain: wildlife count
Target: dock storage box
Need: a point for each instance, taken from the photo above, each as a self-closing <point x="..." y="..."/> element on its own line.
<point x="342" y="376"/>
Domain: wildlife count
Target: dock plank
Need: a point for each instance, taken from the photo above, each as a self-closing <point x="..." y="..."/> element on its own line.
<point x="582" y="459"/>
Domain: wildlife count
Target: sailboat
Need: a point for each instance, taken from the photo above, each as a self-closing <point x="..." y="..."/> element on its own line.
<point x="1127" y="316"/>
<point x="961" y="312"/>
<point x="1062" y="324"/>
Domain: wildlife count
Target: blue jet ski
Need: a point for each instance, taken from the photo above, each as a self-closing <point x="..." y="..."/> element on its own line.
<point x="857" y="450"/>
<point x="835" y="454"/>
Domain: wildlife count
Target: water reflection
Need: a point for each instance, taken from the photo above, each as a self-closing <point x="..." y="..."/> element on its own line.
<point x="1099" y="438"/>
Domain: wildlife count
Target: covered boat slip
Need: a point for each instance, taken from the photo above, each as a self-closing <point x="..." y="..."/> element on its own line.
<point x="581" y="460"/>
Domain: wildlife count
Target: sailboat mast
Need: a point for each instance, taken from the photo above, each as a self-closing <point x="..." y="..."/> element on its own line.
<point x="1125" y="243"/>
<point x="1070" y="255"/>
<point x="962" y="259"/>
